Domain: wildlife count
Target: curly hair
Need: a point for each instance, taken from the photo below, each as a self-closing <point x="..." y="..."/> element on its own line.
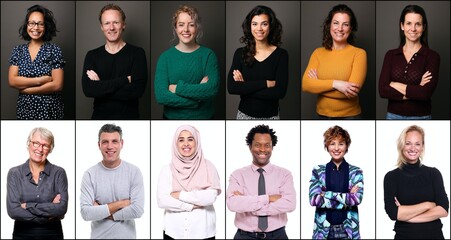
<point x="194" y="14"/>
<point x="418" y="10"/>
<point x="336" y="132"/>
<point x="274" y="36"/>
<point x="49" y="23"/>
<point x="341" y="8"/>
<point x="261" y="129"/>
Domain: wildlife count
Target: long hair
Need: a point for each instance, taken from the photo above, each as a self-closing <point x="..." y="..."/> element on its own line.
<point x="341" y="8"/>
<point x="401" y="142"/>
<point x="418" y="10"/>
<point x="274" y="36"/>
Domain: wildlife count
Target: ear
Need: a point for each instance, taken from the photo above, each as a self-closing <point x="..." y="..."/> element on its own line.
<point x="402" y="28"/>
<point x="122" y="143"/>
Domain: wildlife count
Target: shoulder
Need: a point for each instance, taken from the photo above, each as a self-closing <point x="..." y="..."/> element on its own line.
<point x="353" y="168"/>
<point x="392" y="174"/>
<point x="15" y="171"/>
<point x="281" y="169"/>
<point x="239" y="51"/>
<point x="131" y="166"/>
<point x="210" y="164"/>
<point x="431" y="53"/>
<point x="20" y="47"/>
<point x="281" y="51"/>
<point x="432" y="170"/>
<point x="242" y="171"/>
<point x="134" y="49"/>
<point x="356" y="51"/>
<point x="52" y="45"/>
<point x="56" y="169"/>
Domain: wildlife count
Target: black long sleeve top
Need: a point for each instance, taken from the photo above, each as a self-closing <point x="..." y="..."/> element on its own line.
<point x="257" y="100"/>
<point x="411" y="185"/>
<point x="114" y="97"/>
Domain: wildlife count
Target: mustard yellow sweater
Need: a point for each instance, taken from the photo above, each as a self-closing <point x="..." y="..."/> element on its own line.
<point x="348" y="64"/>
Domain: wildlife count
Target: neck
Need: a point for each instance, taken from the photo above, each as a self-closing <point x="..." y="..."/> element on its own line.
<point x="412" y="46"/>
<point x="337" y="162"/>
<point x="111" y="164"/>
<point x="36" y="167"/>
<point x="190" y="47"/>
<point x="261" y="45"/>
<point x="114" y="47"/>
<point x="339" y="46"/>
<point x="36" y="43"/>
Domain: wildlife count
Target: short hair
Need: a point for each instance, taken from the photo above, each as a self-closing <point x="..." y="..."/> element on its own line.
<point x="340" y="8"/>
<point x="111" y="6"/>
<point x="49" y="24"/>
<point x="274" y="36"/>
<point x="401" y="142"/>
<point x="264" y="129"/>
<point x="336" y="132"/>
<point x="194" y="14"/>
<point x="45" y="134"/>
<point x="110" y="128"/>
<point x="418" y="10"/>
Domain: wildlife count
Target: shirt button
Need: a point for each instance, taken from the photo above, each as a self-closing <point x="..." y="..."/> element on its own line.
<point x="413" y="59"/>
<point x="405" y="71"/>
<point x="38" y="195"/>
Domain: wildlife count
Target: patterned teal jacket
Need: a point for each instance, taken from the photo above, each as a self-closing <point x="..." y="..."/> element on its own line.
<point x="335" y="200"/>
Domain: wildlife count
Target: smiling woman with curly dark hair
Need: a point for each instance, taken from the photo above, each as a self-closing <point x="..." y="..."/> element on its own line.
<point x="259" y="71"/>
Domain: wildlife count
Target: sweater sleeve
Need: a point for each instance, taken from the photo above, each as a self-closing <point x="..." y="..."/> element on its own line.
<point x="88" y="211"/>
<point x="202" y="91"/>
<point x="161" y="87"/>
<point x="311" y="85"/>
<point x="441" y="199"/>
<point x="418" y="92"/>
<point x="385" y="90"/>
<point x="390" y="193"/>
<point x="242" y="87"/>
<point x="135" y="89"/>
<point x="280" y="89"/>
<point x="102" y="87"/>
<point x="358" y="74"/>
<point x="136" y="207"/>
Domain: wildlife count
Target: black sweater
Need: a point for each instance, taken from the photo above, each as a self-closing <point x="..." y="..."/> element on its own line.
<point x="257" y="100"/>
<point x="411" y="185"/>
<point x="114" y="97"/>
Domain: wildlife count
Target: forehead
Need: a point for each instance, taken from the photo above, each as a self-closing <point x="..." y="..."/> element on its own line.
<point x="338" y="138"/>
<point x="36" y="15"/>
<point x="109" y="136"/>
<point x="414" y="135"/>
<point x="260" y="18"/>
<point x="37" y="136"/>
<point x="341" y="17"/>
<point x="183" y="17"/>
<point x="185" y="133"/>
<point x="262" y="138"/>
<point x="111" y="14"/>
<point x="413" y="17"/>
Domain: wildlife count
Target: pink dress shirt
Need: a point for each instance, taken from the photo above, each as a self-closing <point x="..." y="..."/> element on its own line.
<point x="249" y="205"/>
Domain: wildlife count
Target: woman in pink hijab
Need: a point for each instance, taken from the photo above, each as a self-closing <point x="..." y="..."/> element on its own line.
<point x="187" y="189"/>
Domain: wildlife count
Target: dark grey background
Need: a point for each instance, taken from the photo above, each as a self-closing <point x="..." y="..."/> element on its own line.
<point x="387" y="37"/>
<point x="90" y="36"/>
<point x="312" y="18"/>
<point x="12" y="15"/>
<point x="212" y="15"/>
<point x="288" y="14"/>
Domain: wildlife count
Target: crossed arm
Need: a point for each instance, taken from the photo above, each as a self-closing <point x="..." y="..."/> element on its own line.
<point x="181" y="201"/>
<point x="321" y="198"/>
<point x="36" y="85"/>
<point x="40" y="212"/>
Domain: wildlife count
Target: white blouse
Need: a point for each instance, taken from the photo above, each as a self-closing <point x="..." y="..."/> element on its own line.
<point x="181" y="221"/>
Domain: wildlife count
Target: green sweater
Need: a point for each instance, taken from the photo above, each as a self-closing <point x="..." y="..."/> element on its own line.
<point x="192" y="99"/>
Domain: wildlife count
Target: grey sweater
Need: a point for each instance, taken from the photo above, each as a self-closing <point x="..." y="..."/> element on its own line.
<point x="104" y="185"/>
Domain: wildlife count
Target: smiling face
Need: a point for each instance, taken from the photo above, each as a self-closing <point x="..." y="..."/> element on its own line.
<point x="261" y="149"/>
<point x="260" y="27"/>
<point x="186" y="29"/>
<point x="337" y="149"/>
<point x="36" y="26"/>
<point x="186" y="144"/>
<point x="413" y="147"/>
<point x="38" y="148"/>
<point x="112" y="25"/>
<point x="340" y="28"/>
<point x="413" y="27"/>
<point x="110" y="145"/>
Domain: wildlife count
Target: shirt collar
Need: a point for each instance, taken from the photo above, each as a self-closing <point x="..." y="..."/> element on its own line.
<point x="268" y="168"/>
<point x="25" y="168"/>
<point x="422" y="50"/>
<point x="331" y="165"/>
